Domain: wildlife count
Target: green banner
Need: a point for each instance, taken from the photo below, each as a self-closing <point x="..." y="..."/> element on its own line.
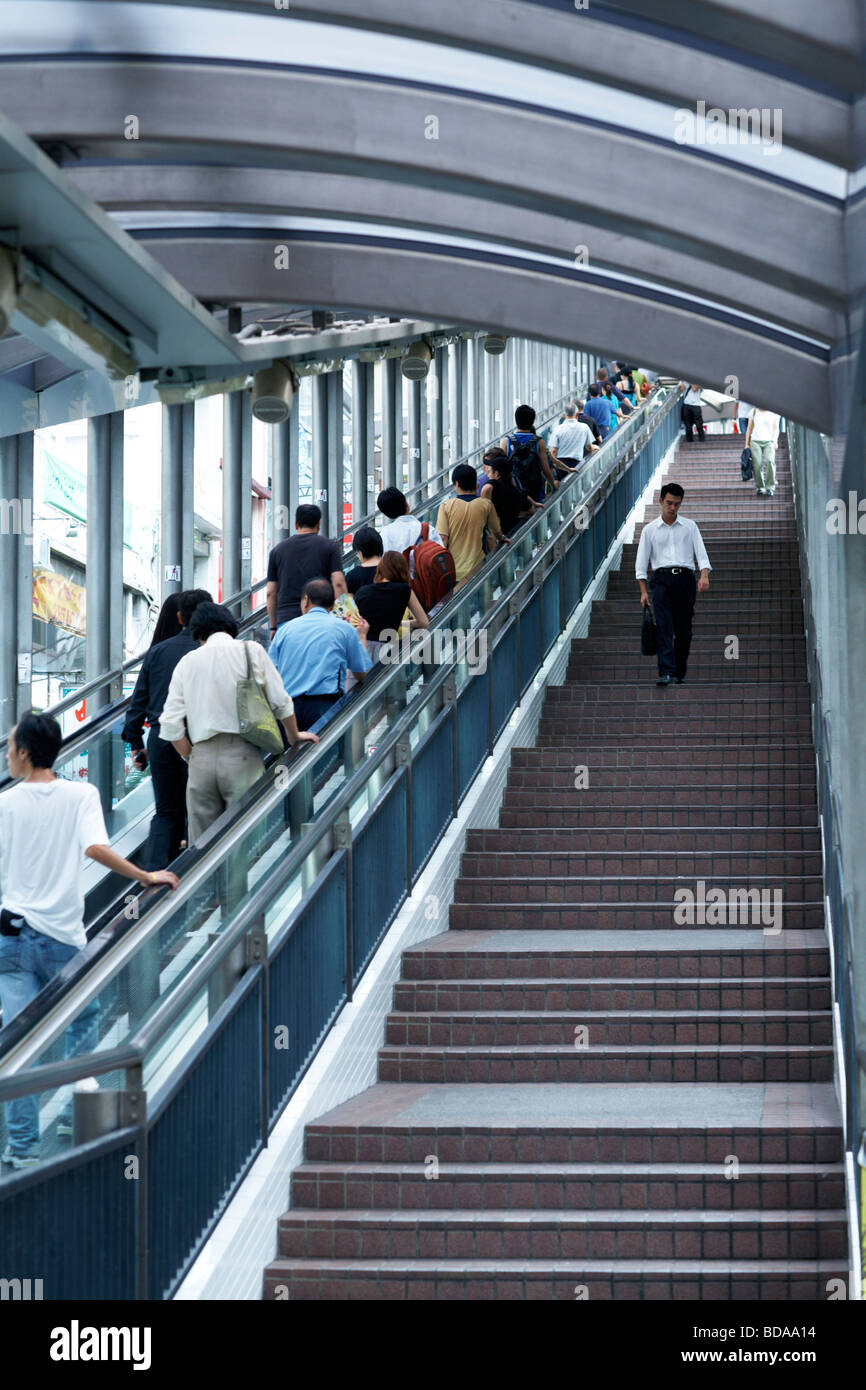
<point x="66" y="489"/>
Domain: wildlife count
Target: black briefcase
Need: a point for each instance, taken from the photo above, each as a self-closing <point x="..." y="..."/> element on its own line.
<point x="648" y="632"/>
<point x="746" y="469"/>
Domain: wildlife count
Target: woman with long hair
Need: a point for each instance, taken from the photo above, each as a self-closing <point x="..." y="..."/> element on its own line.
<point x="167" y="624"/>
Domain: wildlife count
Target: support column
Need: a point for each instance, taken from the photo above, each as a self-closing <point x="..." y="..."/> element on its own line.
<point x="283" y="461"/>
<point x="398" y="426"/>
<point x="177" y="544"/>
<point x="491" y="396"/>
<point x="16" y="565"/>
<point x="237" y="498"/>
<point x="473" y="394"/>
<point x="417" y="432"/>
<point x="332" y="521"/>
<point x="362" y="439"/>
<point x="390" y="369"/>
<point x="104" y="639"/>
<point x="438" y="416"/>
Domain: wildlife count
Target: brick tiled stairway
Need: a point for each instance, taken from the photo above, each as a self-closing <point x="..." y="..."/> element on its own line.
<point x="576" y="1096"/>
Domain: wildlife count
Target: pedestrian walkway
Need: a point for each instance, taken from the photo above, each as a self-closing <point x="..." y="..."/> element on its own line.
<point x="579" y="1097"/>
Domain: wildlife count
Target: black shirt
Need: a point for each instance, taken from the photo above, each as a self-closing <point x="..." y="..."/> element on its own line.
<point x="588" y="420"/>
<point x="359" y="576"/>
<point x="151" y="688"/>
<point x="383" y="606"/>
<point x="509" y="503"/>
<point x="297" y="560"/>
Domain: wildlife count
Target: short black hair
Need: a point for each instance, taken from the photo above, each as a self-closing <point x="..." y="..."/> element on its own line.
<point x="367" y="542"/>
<point x="40" y="737"/>
<point x="320" y="592"/>
<point x="308" y="514"/>
<point x="209" y="618"/>
<point x="189" y="602"/>
<point x="674" y="489"/>
<point x="595" y="389"/>
<point x="465" y="477"/>
<point x="524" y="417"/>
<point x="391" y="503"/>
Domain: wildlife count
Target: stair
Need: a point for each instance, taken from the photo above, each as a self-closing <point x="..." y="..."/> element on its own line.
<point x="581" y="1095"/>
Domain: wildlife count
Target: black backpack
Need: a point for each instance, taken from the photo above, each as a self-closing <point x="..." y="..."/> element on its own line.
<point x="526" y="465"/>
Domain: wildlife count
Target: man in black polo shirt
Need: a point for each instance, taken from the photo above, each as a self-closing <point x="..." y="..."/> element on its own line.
<point x="295" y="561"/>
<point x="168" y="771"/>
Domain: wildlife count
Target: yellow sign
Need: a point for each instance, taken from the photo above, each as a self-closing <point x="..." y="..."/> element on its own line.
<point x="59" y="601"/>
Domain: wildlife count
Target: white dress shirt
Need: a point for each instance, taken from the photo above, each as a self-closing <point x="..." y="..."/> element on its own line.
<point x="692" y="397"/>
<point x="662" y="546"/>
<point x="406" y="532"/>
<point x="204" y="689"/>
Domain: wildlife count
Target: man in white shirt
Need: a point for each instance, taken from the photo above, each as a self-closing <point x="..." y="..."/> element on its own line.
<point x="762" y="437"/>
<point x="570" y="442"/>
<point x="403" y="531"/>
<point x="200" y="715"/>
<point x="669" y="547"/>
<point x="47" y="827"/>
<point x="693" y="417"/>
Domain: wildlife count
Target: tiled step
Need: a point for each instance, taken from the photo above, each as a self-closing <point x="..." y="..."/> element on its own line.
<point x="589" y="814"/>
<point x="730" y="839"/>
<point x="608" y="1027"/>
<point x="684" y="781"/>
<point x="774" y="911"/>
<point x="771" y="759"/>
<point x="596" y="1281"/>
<point x="540" y="1235"/>
<point x="638" y="888"/>
<point x="682" y="953"/>
<point x="621" y="1063"/>
<point x="489" y="995"/>
<point x="568" y="1186"/>
<point x="567" y="864"/>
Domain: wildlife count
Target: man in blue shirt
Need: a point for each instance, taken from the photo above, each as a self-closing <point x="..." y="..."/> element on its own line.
<point x="598" y="409"/>
<point x="313" y="652"/>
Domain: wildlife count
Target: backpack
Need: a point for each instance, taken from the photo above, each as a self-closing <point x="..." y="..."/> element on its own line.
<point x="526" y="465"/>
<point x="435" y="575"/>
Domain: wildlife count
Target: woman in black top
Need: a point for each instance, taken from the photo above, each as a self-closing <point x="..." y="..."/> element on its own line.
<point x="384" y="602"/>
<point x="512" y="505"/>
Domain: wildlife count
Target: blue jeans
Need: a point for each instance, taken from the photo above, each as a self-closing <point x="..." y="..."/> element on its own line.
<point x="27" y="962"/>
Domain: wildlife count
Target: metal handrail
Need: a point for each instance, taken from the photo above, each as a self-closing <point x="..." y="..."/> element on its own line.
<point x="117" y="672"/>
<point x="81" y="991"/>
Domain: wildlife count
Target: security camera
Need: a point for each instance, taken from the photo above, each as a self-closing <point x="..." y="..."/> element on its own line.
<point x="273" y="393"/>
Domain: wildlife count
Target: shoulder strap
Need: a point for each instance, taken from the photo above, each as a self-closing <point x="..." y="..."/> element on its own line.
<point x="425" y="531"/>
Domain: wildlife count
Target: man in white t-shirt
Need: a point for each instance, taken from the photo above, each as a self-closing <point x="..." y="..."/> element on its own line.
<point x="762" y="436"/>
<point x="693" y="416"/>
<point x="570" y="442"/>
<point x="403" y="530"/>
<point x="47" y="827"/>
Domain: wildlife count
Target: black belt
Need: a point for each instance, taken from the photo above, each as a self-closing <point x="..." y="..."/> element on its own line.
<point x="674" y="569"/>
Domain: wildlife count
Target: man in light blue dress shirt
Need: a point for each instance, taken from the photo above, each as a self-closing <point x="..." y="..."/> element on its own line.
<point x="669" y="546"/>
<point x="313" y="653"/>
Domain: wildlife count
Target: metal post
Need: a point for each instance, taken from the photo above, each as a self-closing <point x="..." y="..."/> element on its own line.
<point x="399" y="430"/>
<point x="104" y="640"/>
<point x="362" y="437"/>
<point x="435" y="454"/>
<point x="237" y="495"/>
<point x="390" y="369"/>
<point x="457" y="382"/>
<point x="473" y="394"/>
<point x="283" y="451"/>
<point x="332" y="523"/>
<point x="16" y="565"/>
<point x="320" y="446"/>
<point x="177" y="546"/>
<point x="417" y="431"/>
<point x="445" y="406"/>
<point x="491" y="396"/>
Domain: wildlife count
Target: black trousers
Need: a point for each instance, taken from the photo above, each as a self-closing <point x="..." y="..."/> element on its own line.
<point x="693" y="418"/>
<point x="168" y="773"/>
<point x="310" y="708"/>
<point x="673" y="597"/>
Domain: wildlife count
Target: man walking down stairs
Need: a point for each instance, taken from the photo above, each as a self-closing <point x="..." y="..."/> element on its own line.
<point x="612" y="1078"/>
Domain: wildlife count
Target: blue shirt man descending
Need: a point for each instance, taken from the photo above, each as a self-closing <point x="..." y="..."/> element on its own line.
<point x="313" y="653"/>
